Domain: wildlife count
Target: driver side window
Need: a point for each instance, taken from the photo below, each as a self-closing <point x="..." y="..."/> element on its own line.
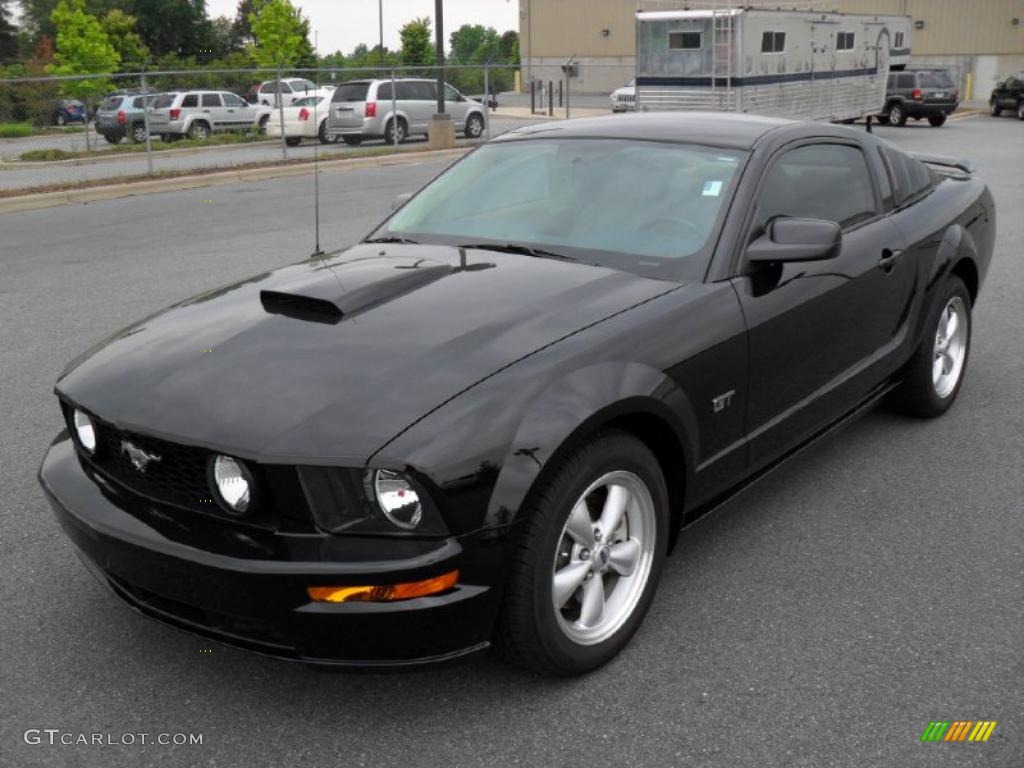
<point x="817" y="181"/>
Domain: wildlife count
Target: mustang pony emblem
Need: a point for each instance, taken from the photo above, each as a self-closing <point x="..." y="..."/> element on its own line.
<point x="138" y="457"/>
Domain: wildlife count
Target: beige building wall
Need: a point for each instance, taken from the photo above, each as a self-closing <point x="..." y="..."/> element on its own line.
<point x="962" y="34"/>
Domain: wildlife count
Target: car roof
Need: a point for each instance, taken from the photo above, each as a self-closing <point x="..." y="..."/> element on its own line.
<point x="718" y="129"/>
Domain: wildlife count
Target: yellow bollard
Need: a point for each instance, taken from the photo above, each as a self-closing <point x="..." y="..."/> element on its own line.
<point x="518" y="81"/>
<point x="969" y="87"/>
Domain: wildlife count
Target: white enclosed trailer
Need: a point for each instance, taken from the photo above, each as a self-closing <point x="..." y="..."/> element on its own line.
<point x="791" y="63"/>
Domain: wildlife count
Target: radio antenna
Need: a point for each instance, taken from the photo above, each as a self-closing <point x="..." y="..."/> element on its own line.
<point x="316" y="159"/>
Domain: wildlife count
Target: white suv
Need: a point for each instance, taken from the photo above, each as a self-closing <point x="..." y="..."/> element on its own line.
<point x="292" y="89"/>
<point x="197" y="114"/>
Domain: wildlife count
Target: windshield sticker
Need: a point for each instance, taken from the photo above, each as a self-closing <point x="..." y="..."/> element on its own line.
<point x="712" y="189"/>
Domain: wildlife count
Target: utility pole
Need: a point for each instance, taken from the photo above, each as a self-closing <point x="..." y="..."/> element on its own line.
<point x="380" y="19"/>
<point x="439" y="36"/>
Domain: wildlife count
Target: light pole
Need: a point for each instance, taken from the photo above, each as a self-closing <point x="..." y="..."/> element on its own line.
<point x="439" y="23"/>
<point x="380" y="18"/>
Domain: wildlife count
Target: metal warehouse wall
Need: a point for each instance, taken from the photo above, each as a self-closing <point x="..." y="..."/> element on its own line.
<point x="599" y="28"/>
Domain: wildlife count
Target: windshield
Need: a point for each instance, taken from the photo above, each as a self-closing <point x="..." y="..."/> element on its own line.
<point x="934" y="80"/>
<point x="647" y="207"/>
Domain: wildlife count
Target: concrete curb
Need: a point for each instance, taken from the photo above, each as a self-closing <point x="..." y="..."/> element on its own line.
<point x="178" y="183"/>
<point x="112" y="155"/>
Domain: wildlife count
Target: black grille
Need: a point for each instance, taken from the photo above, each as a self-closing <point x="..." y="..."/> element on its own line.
<point x="175" y="475"/>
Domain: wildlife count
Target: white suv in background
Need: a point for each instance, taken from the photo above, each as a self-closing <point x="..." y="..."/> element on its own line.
<point x="624" y="99"/>
<point x="292" y="89"/>
<point x="197" y="114"/>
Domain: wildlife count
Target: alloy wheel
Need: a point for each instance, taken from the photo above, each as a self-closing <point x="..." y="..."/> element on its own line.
<point x="950" y="348"/>
<point x="604" y="558"/>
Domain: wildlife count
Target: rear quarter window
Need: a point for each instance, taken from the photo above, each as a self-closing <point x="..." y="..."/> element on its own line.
<point x="191" y="100"/>
<point x="164" y="100"/>
<point x="910" y="177"/>
<point x="111" y="102"/>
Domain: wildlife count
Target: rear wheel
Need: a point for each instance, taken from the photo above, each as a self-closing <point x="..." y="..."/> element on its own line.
<point x="60" y="119"/>
<point x="474" y="126"/>
<point x="324" y="136"/>
<point x="589" y="558"/>
<point x="139" y="134"/>
<point x="199" y="130"/>
<point x="897" y="116"/>
<point x="394" y="132"/>
<point x="293" y="141"/>
<point x="936" y="371"/>
<point x="994" y="108"/>
<point x="937" y="120"/>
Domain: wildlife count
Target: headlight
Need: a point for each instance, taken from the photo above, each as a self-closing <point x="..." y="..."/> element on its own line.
<point x="397" y="499"/>
<point x="85" y="431"/>
<point x="233" y="483"/>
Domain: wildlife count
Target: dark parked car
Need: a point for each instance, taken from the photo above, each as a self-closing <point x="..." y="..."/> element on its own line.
<point x="920" y="93"/>
<point x="487" y="422"/>
<point x="1008" y="95"/>
<point x="67" y="111"/>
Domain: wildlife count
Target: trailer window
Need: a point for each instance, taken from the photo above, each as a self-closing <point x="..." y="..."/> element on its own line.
<point x="773" y="42"/>
<point x="898" y="40"/>
<point x="844" y="41"/>
<point x="684" y="41"/>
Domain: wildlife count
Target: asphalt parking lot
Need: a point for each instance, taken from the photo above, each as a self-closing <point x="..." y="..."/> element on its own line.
<point x="821" y="618"/>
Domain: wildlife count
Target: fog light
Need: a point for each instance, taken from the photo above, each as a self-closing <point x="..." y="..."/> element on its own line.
<point x="384" y="593"/>
<point x="233" y="483"/>
<point x="85" y="431"/>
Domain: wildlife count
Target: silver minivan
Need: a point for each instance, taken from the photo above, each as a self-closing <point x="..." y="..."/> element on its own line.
<point x="364" y="109"/>
<point x="197" y="114"/>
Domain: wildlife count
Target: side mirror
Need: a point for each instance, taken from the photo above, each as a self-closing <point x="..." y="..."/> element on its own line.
<point x="400" y="200"/>
<point x="797" y="240"/>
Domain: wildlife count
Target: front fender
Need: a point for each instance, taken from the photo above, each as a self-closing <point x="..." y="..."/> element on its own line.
<point x="573" y="408"/>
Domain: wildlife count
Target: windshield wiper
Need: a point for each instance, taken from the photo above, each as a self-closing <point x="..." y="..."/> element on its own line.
<point x="526" y="250"/>
<point x="392" y="240"/>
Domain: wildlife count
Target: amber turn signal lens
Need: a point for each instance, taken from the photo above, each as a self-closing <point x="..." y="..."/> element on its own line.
<point x="384" y="593"/>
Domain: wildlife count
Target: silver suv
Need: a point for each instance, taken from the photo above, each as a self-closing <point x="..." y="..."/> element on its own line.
<point x="197" y="114"/>
<point x="364" y="109"/>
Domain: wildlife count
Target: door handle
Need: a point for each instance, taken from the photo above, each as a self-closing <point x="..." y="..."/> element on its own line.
<point x="889" y="259"/>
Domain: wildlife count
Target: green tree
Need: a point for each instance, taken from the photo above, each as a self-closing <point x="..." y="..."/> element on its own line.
<point x="508" y="47"/>
<point x="280" y="33"/>
<point x="416" y="47"/>
<point x="173" y="26"/>
<point x="82" y="49"/>
<point x="8" y="35"/>
<point x="120" y="29"/>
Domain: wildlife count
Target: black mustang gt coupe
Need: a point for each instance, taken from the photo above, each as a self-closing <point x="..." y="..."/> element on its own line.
<point x="486" y="423"/>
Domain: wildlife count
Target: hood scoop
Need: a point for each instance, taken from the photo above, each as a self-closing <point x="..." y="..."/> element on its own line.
<point x="329" y="293"/>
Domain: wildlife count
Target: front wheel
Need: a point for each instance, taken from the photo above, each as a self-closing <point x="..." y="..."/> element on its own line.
<point x="474" y="126"/>
<point x="936" y="371"/>
<point x="293" y="141"/>
<point x="1020" y="111"/>
<point x="994" y="108"/>
<point x="589" y="558"/>
<point x="937" y="120"/>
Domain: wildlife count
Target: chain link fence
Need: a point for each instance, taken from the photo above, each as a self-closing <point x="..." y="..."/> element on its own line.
<point x="86" y="130"/>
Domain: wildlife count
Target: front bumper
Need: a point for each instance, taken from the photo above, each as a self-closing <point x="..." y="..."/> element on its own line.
<point x="255" y="597"/>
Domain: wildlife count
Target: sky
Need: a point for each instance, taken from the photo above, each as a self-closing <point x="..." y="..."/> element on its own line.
<point x="343" y="24"/>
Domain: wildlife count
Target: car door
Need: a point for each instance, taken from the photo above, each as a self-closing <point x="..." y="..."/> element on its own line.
<point x="455" y="104"/>
<point x="238" y="113"/>
<point x="822" y="334"/>
<point x="212" y="110"/>
<point x="423" y="105"/>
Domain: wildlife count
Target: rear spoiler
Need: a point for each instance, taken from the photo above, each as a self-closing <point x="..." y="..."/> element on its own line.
<point x="967" y="166"/>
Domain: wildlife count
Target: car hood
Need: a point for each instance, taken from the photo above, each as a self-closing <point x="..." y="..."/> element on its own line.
<point x="327" y="360"/>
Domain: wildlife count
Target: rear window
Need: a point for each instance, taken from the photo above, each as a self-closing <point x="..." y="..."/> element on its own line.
<point x="306" y="101"/>
<point x="111" y="102"/>
<point x="351" y="92"/>
<point x="910" y="177"/>
<point x="164" y="100"/>
<point x="934" y="80"/>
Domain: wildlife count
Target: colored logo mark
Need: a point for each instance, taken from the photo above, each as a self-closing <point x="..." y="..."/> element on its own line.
<point x="958" y="730"/>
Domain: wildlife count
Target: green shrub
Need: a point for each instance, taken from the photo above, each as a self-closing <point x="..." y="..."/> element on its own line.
<point x="15" y="130"/>
<point x="46" y="154"/>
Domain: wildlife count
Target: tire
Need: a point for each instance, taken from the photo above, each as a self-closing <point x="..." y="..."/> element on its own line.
<point x="353" y="141"/>
<point x="199" y="130"/>
<point x="324" y="136"/>
<point x="60" y="119"/>
<point x="897" y="116"/>
<point x="937" y="120"/>
<point x="138" y="134"/>
<point x="395" y="131"/>
<point x="532" y="632"/>
<point x="932" y="379"/>
<point x="994" y="109"/>
<point x="1020" y="111"/>
<point x="263" y="125"/>
<point x="112" y="138"/>
<point x="474" y="126"/>
<point x="882" y="119"/>
<point x="293" y="141"/>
